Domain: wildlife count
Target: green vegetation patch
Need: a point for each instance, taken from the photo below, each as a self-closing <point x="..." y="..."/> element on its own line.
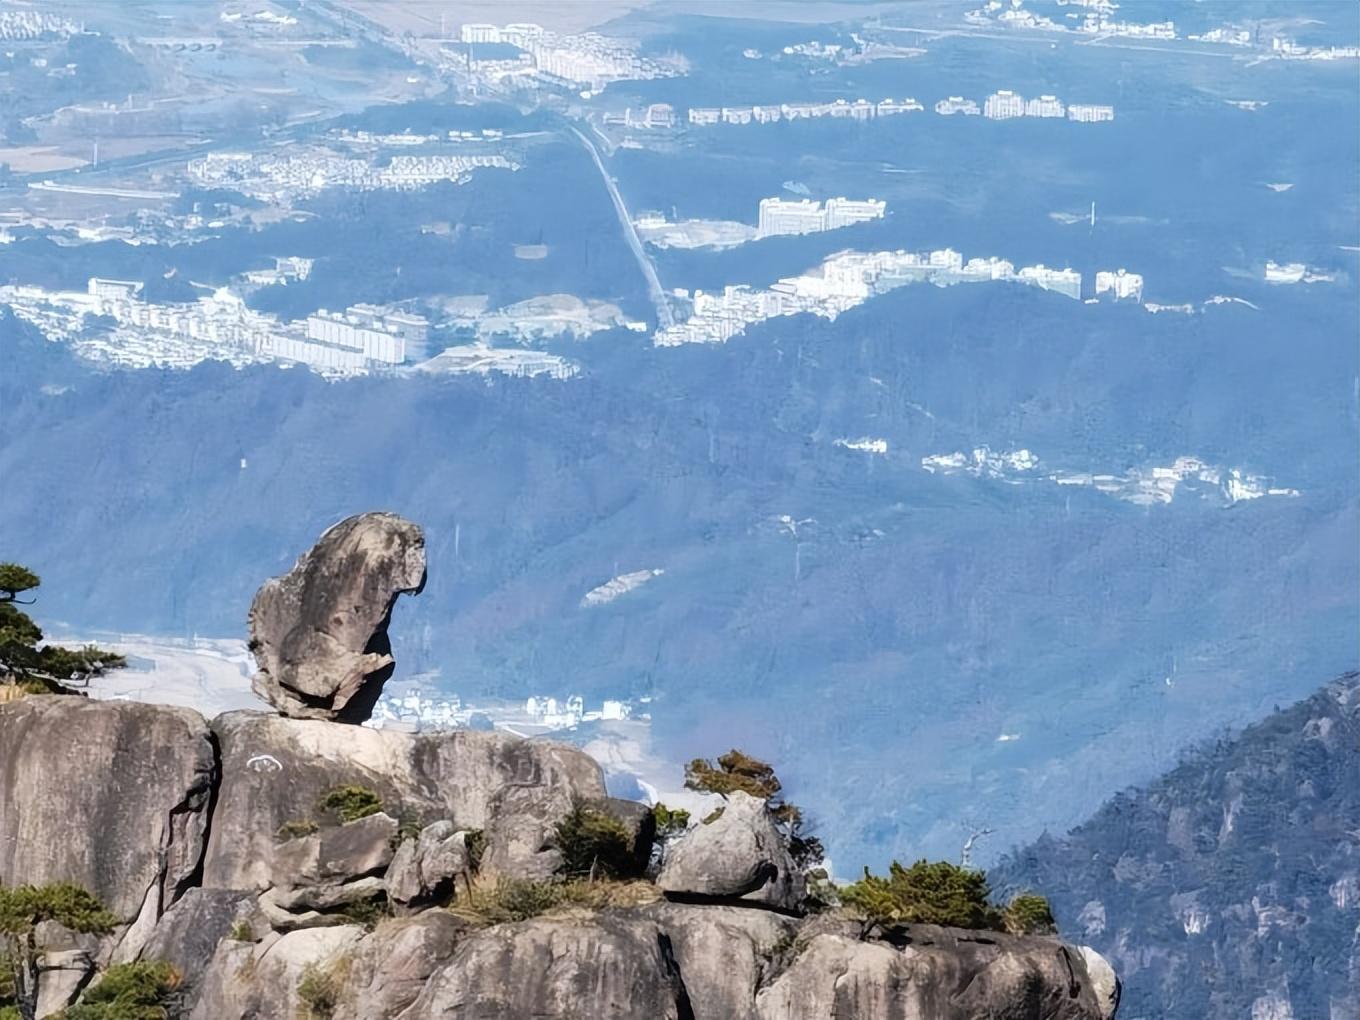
<point x="350" y="803"/>
<point x="129" y="991"/>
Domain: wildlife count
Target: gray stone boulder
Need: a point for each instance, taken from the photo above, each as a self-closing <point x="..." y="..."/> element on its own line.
<point x="426" y="869"/>
<point x="319" y="632"/>
<point x="938" y="974"/>
<point x="1104" y="981"/>
<point x="112" y="796"/>
<point x="186" y="937"/>
<point x="739" y="855"/>
<point x="326" y="872"/>
<point x="276" y="770"/>
<point x="390" y="968"/>
<point x="260" y="981"/>
<point x="560" y="967"/>
<point x="725" y="954"/>
<point x="66" y="963"/>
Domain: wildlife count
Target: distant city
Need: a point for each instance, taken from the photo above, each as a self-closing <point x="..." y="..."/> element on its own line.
<point x="850" y="278"/>
<point x="219" y="326"/>
<point x="1001" y="105"/>
<point x="418" y="711"/>
<point x="1145" y="485"/>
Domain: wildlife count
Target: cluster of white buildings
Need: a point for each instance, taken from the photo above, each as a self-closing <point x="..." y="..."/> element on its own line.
<point x="279" y="178"/>
<point x="844" y="281"/>
<point x="23" y="25"/>
<point x="851" y="109"/>
<point x="417" y="712"/>
<point x="1100" y="21"/>
<point x="1005" y="105"/>
<point x="409" y="139"/>
<point x="587" y="59"/>
<point x="804" y="216"/>
<point x="1146" y="485"/>
<point x="218" y="326"/>
<point x="652" y="117"/>
<point x="483" y="359"/>
<point x="999" y="106"/>
<point x="1287" y="49"/>
<point x="570" y="712"/>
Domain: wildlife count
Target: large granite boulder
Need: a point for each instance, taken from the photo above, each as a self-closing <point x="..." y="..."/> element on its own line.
<point x="739" y="855"/>
<point x="725" y="953"/>
<point x="112" y="796"/>
<point x="186" y="937"/>
<point x="266" y="980"/>
<point x="562" y="967"/>
<point x="389" y="968"/>
<point x="319" y="632"/>
<point x="276" y="770"/>
<point x="938" y="974"/>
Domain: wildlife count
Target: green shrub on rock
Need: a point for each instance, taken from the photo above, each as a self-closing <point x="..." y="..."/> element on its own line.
<point x="350" y="803"/>
<point x="926" y="893"/>
<point x="1029" y="914"/>
<point x="129" y="991"/>
<point x="593" y="843"/>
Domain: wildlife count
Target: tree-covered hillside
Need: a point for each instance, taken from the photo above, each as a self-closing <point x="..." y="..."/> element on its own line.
<point x="1231" y="887"/>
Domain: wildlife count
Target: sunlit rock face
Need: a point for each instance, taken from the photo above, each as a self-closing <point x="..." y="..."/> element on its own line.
<point x="319" y="632"/>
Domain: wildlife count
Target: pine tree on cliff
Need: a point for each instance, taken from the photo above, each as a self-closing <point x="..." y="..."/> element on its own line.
<point x="28" y="665"/>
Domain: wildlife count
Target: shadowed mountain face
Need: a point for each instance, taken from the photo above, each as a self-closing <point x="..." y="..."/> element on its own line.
<point x="1230" y="887"/>
<point x="815" y="598"/>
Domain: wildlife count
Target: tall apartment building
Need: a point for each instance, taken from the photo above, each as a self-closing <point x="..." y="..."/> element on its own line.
<point x="789" y="216"/>
<point x="1045" y="106"/>
<point x="843" y="212"/>
<point x="375" y="333"/>
<point x="1004" y="105"/>
<point x="1120" y="284"/>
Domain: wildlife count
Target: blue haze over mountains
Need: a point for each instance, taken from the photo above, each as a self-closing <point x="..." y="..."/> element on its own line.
<point x="878" y="656"/>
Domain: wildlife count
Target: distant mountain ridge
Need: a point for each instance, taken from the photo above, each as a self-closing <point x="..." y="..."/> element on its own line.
<point x="1231" y="887"/>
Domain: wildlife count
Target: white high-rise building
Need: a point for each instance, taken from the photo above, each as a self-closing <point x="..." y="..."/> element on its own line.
<point x="1004" y="105"/>
<point x="790" y="216"/>
<point x="1121" y="284"/>
<point x="1063" y="281"/>
<point x="957" y="104"/>
<point x="843" y="212"/>
<point x="1045" y="106"/>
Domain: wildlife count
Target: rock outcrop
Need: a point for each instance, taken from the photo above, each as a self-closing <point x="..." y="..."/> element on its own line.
<point x="319" y="632"/>
<point x="310" y="867"/>
<point x="425" y="870"/>
<point x="112" y="796"/>
<point x="939" y="974"/>
<point x="275" y="771"/>
<point x="738" y="855"/>
<point x="574" y="965"/>
<point x="725" y="954"/>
